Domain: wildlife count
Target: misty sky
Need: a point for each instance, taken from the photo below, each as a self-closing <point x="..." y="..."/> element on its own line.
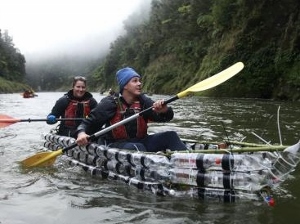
<point x="62" y="26"/>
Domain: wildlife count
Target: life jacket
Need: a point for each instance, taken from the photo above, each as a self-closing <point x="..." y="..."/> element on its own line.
<point x="76" y="109"/>
<point x="126" y="131"/>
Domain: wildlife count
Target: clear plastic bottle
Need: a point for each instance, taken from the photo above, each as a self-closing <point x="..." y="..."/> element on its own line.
<point x="91" y="160"/>
<point x="51" y="146"/>
<point x="227" y="162"/>
<point x="137" y="159"/>
<point x="76" y="154"/>
<point x="70" y="152"/>
<point x="101" y="151"/>
<point x="154" y="187"/>
<point x="66" y="141"/>
<point x="62" y="140"/>
<point x="143" y="173"/>
<point x="122" y="156"/>
<point x="216" y="194"/>
<point x="286" y="162"/>
<point x="91" y="148"/>
<point x="219" y="179"/>
<point x="149" y="160"/>
<point x="203" y="161"/>
<point x="111" y="153"/>
<point x="117" y="167"/>
<point x="86" y="158"/>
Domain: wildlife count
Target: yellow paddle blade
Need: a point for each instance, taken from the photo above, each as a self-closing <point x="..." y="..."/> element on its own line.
<point x="213" y="80"/>
<point x="41" y="159"/>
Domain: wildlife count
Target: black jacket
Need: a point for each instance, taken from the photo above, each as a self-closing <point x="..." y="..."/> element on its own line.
<point x="61" y="105"/>
<point x="100" y="117"/>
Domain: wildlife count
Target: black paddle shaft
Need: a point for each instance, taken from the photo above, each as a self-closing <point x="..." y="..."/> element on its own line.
<point x="57" y="119"/>
<point x="99" y="133"/>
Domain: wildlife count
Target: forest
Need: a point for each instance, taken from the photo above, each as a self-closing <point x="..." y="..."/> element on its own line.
<point x="12" y="65"/>
<point x="177" y="43"/>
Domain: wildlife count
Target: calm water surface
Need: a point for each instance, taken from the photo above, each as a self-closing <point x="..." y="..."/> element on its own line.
<point x="67" y="195"/>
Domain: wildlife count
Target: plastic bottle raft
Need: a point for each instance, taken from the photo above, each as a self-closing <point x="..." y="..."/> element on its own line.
<point x="224" y="175"/>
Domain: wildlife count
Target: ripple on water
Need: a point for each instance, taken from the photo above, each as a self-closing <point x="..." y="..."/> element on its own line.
<point x="65" y="194"/>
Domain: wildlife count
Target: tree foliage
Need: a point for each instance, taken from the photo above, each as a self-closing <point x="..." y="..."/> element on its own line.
<point x="185" y="41"/>
<point x="12" y="62"/>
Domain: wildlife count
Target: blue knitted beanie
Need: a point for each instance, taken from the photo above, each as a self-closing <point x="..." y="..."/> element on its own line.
<point x="124" y="75"/>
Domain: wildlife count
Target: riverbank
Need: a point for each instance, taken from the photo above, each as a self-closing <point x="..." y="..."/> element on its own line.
<point x="7" y="86"/>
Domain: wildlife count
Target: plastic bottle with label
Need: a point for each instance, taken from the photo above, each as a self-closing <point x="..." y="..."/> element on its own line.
<point x="227" y="162"/>
<point x="218" y="179"/>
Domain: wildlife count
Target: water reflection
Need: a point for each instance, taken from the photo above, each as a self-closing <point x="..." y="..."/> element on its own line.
<point x="235" y="119"/>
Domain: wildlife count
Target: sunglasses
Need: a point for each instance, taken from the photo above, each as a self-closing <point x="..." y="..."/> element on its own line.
<point x="81" y="78"/>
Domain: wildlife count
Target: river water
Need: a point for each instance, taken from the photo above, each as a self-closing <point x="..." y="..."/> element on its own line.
<point x="67" y="195"/>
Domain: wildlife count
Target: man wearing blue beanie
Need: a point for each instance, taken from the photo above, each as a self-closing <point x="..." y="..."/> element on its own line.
<point x="133" y="134"/>
<point x="124" y="75"/>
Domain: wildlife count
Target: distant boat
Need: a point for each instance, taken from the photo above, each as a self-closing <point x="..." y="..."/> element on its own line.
<point x="110" y="92"/>
<point x="29" y="94"/>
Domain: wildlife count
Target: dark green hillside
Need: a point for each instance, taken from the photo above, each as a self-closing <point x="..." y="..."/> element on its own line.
<point x="185" y="41"/>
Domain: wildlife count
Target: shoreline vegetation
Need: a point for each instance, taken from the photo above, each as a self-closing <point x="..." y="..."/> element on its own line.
<point x="7" y="86"/>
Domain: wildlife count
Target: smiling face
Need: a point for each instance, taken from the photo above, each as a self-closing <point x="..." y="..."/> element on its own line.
<point x="79" y="89"/>
<point x="133" y="87"/>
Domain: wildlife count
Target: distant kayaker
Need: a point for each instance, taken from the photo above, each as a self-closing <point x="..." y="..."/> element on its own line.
<point x="132" y="135"/>
<point x="111" y="92"/>
<point x="28" y="94"/>
<point x="76" y="103"/>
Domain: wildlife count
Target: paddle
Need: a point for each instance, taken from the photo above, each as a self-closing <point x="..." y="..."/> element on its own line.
<point x="6" y="120"/>
<point x="48" y="158"/>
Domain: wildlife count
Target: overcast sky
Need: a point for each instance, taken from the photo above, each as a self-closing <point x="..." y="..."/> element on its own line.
<point x="47" y="26"/>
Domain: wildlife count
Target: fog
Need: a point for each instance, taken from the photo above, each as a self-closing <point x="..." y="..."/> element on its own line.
<point x="63" y="28"/>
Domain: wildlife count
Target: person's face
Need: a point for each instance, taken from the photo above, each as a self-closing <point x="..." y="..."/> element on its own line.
<point x="79" y="89"/>
<point x="134" y="86"/>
